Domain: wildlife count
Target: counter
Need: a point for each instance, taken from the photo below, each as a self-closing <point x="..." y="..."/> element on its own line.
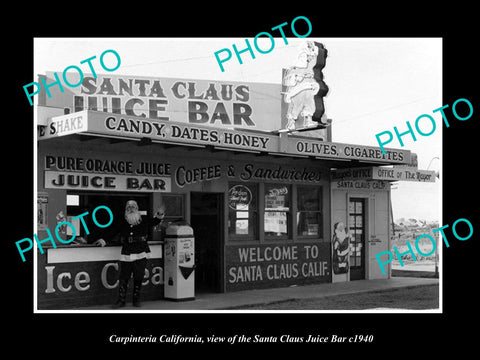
<point x="84" y="275"/>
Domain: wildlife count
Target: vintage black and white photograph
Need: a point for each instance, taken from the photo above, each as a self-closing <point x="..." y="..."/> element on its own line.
<point x="219" y="179"/>
<point x="272" y="173"/>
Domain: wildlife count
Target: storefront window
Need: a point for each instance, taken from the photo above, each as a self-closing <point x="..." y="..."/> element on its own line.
<point x="277" y="210"/>
<point x="81" y="202"/>
<point x="174" y="207"/>
<point x="309" y="216"/>
<point x="242" y="211"/>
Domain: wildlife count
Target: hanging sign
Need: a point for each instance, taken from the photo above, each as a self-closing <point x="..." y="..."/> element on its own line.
<point x="394" y="173"/>
<point x="64" y="125"/>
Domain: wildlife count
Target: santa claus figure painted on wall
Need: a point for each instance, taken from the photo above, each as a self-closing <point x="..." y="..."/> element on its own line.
<point x="341" y="248"/>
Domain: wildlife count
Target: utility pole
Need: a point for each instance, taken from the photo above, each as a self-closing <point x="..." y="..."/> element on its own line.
<point x="436" y="237"/>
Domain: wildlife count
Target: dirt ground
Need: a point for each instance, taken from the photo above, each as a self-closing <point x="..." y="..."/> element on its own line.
<point x="412" y="298"/>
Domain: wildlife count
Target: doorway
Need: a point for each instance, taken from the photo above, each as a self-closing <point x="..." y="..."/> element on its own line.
<point x="356" y="212"/>
<point x="207" y="223"/>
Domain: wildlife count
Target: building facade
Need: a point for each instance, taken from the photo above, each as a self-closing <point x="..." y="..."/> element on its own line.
<point x="268" y="208"/>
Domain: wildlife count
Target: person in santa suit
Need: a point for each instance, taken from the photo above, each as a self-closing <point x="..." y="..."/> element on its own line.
<point x="133" y="230"/>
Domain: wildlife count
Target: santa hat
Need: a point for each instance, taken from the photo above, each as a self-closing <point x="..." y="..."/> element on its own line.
<point x="131" y="203"/>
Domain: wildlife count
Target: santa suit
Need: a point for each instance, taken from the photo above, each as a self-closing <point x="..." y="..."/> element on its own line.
<point x="133" y="256"/>
<point x="135" y="249"/>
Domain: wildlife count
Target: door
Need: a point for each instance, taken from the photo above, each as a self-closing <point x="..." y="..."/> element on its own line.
<point x="356" y="212"/>
<point x="206" y="221"/>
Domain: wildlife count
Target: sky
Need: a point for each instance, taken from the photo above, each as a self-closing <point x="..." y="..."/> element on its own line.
<point x="374" y="85"/>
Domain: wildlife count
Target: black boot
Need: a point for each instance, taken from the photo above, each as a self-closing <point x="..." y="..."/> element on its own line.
<point x="136" y="295"/>
<point x="122" y="294"/>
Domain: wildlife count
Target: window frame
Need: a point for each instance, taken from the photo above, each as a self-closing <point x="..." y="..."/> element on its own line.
<point x="83" y="199"/>
<point x="289" y="234"/>
<point x="353" y="232"/>
<point x="320" y="211"/>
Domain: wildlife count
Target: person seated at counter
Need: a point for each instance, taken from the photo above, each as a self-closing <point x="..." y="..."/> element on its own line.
<point x="133" y="229"/>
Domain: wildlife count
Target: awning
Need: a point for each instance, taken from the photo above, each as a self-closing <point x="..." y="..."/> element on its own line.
<point x="123" y="127"/>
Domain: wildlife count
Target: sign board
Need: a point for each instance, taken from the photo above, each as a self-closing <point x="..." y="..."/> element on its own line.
<point x="113" y="182"/>
<point x="42" y="210"/>
<point x="120" y="126"/>
<point x="99" y="123"/>
<point x="374" y="240"/>
<point x="218" y="104"/>
<point x="360" y="185"/>
<point x="239" y="197"/>
<point x="331" y="150"/>
<point x="86" y="173"/>
<point x="64" y="125"/>
<point x="303" y="87"/>
<point x="263" y="266"/>
<point x="276" y="173"/>
<point x="403" y="174"/>
<point x="394" y="173"/>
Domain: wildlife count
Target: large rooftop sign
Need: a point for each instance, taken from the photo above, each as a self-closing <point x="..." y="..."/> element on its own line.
<point x="212" y="103"/>
<point x="111" y="125"/>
